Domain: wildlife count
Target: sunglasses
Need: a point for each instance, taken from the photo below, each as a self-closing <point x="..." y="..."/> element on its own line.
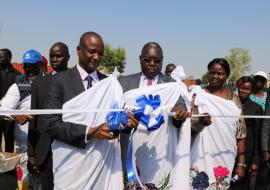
<point x="155" y="60"/>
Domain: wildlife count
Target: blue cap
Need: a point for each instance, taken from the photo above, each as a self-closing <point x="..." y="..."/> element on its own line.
<point x="32" y="56"/>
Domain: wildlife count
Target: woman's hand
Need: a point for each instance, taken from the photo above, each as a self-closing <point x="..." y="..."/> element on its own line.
<point x="180" y="113"/>
<point x="240" y="172"/>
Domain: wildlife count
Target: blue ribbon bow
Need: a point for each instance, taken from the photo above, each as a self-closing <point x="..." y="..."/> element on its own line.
<point x="149" y="112"/>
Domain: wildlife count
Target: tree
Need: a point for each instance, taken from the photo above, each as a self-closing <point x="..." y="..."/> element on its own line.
<point x="239" y="60"/>
<point x="204" y="79"/>
<point x="114" y="57"/>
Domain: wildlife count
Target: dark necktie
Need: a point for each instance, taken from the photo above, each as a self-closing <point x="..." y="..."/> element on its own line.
<point x="89" y="80"/>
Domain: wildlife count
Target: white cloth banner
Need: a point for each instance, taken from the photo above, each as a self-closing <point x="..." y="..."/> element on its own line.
<point x="216" y="144"/>
<point x="157" y="152"/>
<point x="98" y="166"/>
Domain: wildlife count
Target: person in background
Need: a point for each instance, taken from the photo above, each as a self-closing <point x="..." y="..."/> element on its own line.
<point x="169" y="69"/>
<point x="39" y="143"/>
<point x="198" y="82"/>
<point x="253" y="126"/>
<point x="18" y="97"/>
<point x="44" y="65"/>
<point x="59" y="56"/>
<point x="258" y="95"/>
<point x="7" y="77"/>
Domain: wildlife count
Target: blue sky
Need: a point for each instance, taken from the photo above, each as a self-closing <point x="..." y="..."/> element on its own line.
<point x="191" y="33"/>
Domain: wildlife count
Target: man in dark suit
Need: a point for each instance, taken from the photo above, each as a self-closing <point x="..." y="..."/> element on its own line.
<point x="7" y="75"/>
<point x="39" y="143"/>
<point x="151" y="59"/>
<point x="68" y="84"/>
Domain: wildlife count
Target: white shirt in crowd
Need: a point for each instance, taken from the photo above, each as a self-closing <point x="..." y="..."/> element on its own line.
<point x="11" y="101"/>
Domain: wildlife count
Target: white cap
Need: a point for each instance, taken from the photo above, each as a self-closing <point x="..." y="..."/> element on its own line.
<point x="261" y="73"/>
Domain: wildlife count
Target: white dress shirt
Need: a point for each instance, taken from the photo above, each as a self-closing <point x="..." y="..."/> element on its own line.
<point x="144" y="80"/>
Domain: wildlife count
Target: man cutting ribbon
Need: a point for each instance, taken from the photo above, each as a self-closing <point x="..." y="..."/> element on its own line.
<point x="86" y="154"/>
<point x="154" y="152"/>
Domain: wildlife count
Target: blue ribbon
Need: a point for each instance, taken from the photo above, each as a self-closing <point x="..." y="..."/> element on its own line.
<point x="117" y="120"/>
<point x="154" y="102"/>
<point x="142" y="102"/>
<point x="131" y="171"/>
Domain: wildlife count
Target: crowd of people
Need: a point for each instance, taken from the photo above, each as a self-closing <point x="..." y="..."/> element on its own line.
<point x="88" y="151"/>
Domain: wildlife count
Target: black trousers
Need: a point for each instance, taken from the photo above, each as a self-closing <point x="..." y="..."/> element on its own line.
<point x="8" y="180"/>
<point x="263" y="178"/>
<point x="7" y="129"/>
<point x="46" y="173"/>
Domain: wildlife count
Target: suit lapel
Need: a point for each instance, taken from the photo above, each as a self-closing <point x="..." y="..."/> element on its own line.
<point x="162" y="79"/>
<point x="135" y="81"/>
<point x="101" y="76"/>
<point x="76" y="80"/>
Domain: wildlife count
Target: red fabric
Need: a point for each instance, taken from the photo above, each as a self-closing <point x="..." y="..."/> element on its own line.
<point x="44" y="61"/>
<point x="19" y="172"/>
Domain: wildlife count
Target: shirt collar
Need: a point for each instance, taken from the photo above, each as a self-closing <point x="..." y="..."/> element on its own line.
<point x="155" y="78"/>
<point x="84" y="74"/>
<point x="54" y="72"/>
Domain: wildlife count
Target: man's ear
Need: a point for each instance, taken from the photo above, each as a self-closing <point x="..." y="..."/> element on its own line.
<point x="68" y="57"/>
<point x="78" y="50"/>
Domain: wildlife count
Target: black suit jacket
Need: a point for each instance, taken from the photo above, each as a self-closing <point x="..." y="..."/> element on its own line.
<point x="63" y="87"/>
<point x="131" y="82"/>
<point x="38" y="142"/>
<point x="253" y="126"/>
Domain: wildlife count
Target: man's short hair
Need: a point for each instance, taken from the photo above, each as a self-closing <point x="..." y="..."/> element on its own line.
<point x="151" y="45"/>
<point x="7" y="51"/>
<point x="90" y="33"/>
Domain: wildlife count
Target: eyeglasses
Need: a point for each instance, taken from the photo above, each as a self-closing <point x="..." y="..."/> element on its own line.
<point x="155" y="60"/>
